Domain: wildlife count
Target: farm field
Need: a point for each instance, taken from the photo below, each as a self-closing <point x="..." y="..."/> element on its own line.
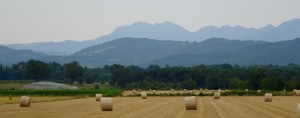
<point x="35" y="99"/>
<point x="159" y="107"/>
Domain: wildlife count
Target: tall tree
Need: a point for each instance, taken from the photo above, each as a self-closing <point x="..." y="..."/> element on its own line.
<point x="73" y="71"/>
<point x="37" y="70"/>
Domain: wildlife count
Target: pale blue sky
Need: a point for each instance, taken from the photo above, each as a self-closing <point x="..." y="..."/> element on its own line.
<point x="24" y="21"/>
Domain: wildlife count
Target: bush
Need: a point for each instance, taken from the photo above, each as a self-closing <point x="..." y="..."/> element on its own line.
<point x="96" y="86"/>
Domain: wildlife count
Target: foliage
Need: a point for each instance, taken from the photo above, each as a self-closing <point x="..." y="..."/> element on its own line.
<point x="37" y="70"/>
<point x="73" y="71"/>
<point x="223" y="76"/>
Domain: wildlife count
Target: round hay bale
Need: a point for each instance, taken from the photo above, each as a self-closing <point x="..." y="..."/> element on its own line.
<point x="150" y="90"/>
<point x="106" y="104"/>
<point x="258" y="91"/>
<point x="134" y="91"/>
<point x="200" y="89"/>
<point x="25" y="101"/>
<point x="298" y="93"/>
<point x="98" y="97"/>
<point x="172" y="90"/>
<point x="268" y="97"/>
<point x="144" y="95"/>
<point x="246" y="90"/>
<point x="154" y="91"/>
<point x="190" y="103"/>
<point x="217" y="95"/>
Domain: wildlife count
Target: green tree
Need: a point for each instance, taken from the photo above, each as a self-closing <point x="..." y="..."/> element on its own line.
<point x="189" y="84"/>
<point x="37" y="70"/>
<point x="73" y="71"/>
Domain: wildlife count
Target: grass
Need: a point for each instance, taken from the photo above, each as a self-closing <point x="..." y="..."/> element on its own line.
<point x="16" y="85"/>
<point x="35" y="99"/>
<point x="11" y="85"/>
<point x="82" y="92"/>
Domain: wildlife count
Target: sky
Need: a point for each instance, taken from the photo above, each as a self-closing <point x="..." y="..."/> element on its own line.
<point x="25" y="21"/>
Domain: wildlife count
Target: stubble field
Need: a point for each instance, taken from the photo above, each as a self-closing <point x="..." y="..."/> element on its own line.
<point x="159" y="107"/>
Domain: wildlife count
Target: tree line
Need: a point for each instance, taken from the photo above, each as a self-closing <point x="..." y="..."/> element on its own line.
<point x="223" y="76"/>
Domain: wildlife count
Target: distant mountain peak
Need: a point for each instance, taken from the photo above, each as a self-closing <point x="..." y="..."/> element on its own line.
<point x="289" y="23"/>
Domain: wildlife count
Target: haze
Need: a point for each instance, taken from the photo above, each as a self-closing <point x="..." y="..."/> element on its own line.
<point x="23" y="21"/>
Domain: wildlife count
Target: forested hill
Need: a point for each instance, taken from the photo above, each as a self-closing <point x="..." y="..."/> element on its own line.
<point x="145" y="52"/>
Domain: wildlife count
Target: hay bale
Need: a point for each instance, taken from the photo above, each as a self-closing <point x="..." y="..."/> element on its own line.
<point x="190" y="103"/>
<point x="144" y="95"/>
<point x="154" y="91"/>
<point x="217" y="95"/>
<point x="134" y="91"/>
<point x="258" y="91"/>
<point x="106" y="104"/>
<point x="25" y="101"/>
<point x="268" y="97"/>
<point x="98" y="97"/>
<point x="172" y="90"/>
<point x="298" y="93"/>
<point x="200" y="89"/>
<point x="246" y="90"/>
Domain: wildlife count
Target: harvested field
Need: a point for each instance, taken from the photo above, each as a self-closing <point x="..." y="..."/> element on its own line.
<point x="35" y="99"/>
<point x="160" y="107"/>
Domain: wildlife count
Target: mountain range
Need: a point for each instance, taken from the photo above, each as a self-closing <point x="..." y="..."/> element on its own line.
<point x="11" y="56"/>
<point x="144" y="52"/>
<point x="169" y="31"/>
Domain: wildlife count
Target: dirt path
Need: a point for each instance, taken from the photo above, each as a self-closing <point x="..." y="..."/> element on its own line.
<point x="158" y="107"/>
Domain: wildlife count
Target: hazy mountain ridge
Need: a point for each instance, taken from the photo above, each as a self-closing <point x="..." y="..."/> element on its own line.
<point x="144" y="52"/>
<point x="170" y="31"/>
<point x="280" y="53"/>
<point x="11" y="56"/>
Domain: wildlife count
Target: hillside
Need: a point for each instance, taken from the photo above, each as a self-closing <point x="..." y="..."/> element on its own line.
<point x="11" y="56"/>
<point x="280" y="53"/>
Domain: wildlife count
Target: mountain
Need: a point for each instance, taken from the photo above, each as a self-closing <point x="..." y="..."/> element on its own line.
<point x="11" y="56"/>
<point x="280" y="53"/>
<point x="171" y="31"/>
<point x="127" y="51"/>
<point x="141" y="51"/>
<point x="144" y="52"/>
<point x="67" y="47"/>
